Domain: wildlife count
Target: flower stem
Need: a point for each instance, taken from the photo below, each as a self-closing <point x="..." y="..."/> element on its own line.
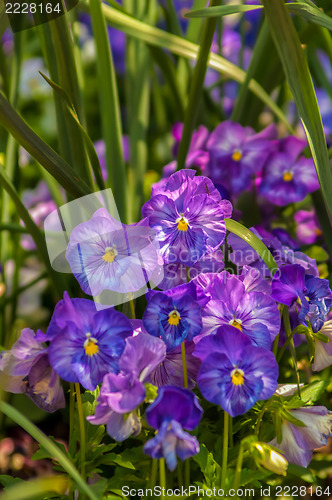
<point x="238" y="469"/>
<point x="288" y="330"/>
<point x="82" y="427"/>
<point x="71" y="409"/>
<point x="132" y="309"/>
<point x="162" y="475"/>
<point x="196" y="87"/>
<point x="275" y="346"/>
<point x="225" y="451"/>
<point x="180" y="475"/>
<point x="187" y="473"/>
<point x="154" y="471"/>
<point x="184" y="365"/>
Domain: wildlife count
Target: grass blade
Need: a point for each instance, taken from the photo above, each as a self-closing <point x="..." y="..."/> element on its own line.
<point x="299" y="80"/>
<point x="46" y="443"/>
<point x="221" y="10"/>
<point x="30" y="490"/>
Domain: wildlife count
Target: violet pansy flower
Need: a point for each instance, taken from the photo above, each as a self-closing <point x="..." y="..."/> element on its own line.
<point x="26" y="369"/>
<point x="188" y="217"/>
<point x="235" y="374"/>
<point x="174" y="410"/>
<point x="105" y="254"/>
<point x="85" y="344"/>
<point x="312" y="295"/>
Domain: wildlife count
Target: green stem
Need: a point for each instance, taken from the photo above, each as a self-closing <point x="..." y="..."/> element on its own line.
<point x="225" y="450"/>
<point x="275" y="346"/>
<point x="196" y="87"/>
<point x="184" y="365"/>
<point x="82" y="427"/>
<point x="180" y="475"/>
<point x="288" y="330"/>
<point x="187" y="473"/>
<point x="238" y="469"/>
<point x="154" y="471"/>
<point x="132" y="309"/>
<point x="284" y="347"/>
<point x="71" y="409"/>
<point x="162" y="474"/>
<point x="259" y="420"/>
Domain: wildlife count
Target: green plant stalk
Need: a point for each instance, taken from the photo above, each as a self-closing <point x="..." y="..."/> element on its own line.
<point x="196" y="87"/>
<point x="255" y="243"/>
<point x="162" y="474"/>
<point x="184" y="365"/>
<point x="299" y="79"/>
<point x="284" y="347"/>
<point x="225" y="450"/>
<point x="238" y="470"/>
<point x="36" y="488"/>
<point x="288" y="330"/>
<point x="82" y="428"/>
<point x="46" y="443"/>
<point x="183" y="48"/>
<point x="275" y="346"/>
<point x="154" y="472"/>
<point x="71" y="409"/>
<point x="187" y="473"/>
<point x="109" y="108"/>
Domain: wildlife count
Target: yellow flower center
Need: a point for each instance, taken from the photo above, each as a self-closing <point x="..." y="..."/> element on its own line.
<point x="174" y="318"/>
<point x="288" y="176"/>
<point x="110" y="254"/>
<point x="237" y="323"/>
<point x="183" y="224"/>
<point x="237" y="376"/>
<point x="237" y="155"/>
<point x="90" y="345"/>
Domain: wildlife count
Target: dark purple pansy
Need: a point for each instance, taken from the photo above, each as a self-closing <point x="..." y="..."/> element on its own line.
<point x="174" y="410"/>
<point x="86" y="344"/>
<point x="188" y="217"/>
<point x="237" y="153"/>
<point x="312" y="296"/>
<point x="235" y="374"/>
<point x="26" y="369"/>
<point x="174" y="315"/>
<point x="298" y="443"/>
<point x="288" y="178"/>
<point x="253" y="313"/>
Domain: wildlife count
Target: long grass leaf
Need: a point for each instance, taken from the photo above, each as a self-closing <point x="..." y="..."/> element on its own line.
<point x="184" y="48"/>
<point x="36" y="488"/>
<point x="46" y="443"/>
<point x="221" y="10"/>
<point x="299" y="79"/>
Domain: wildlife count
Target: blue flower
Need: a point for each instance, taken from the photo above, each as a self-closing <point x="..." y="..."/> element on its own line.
<point x="174" y="409"/>
<point x="235" y="374"/>
<point x="84" y="347"/>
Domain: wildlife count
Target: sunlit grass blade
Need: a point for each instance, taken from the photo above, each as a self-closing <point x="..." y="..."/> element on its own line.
<point x="255" y="243"/>
<point x="184" y="48"/>
<point x="196" y="87"/>
<point x="42" y="152"/>
<point x="299" y="79"/>
<point x="222" y="10"/>
<point x="109" y="108"/>
<point x="86" y="138"/>
<point x="46" y="443"/>
<point x="36" y="488"/>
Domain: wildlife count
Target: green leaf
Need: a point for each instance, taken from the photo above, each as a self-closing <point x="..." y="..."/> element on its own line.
<point x="222" y="10"/>
<point x="313" y="391"/>
<point x="182" y="47"/>
<point x="298" y="76"/>
<point x="290" y="418"/>
<point x="255" y="243"/>
<point x="311" y="13"/>
<point x="318" y="253"/>
<point x="46" y="443"/>
<point x="301" y="472"/>
<point x="36" y="488"/>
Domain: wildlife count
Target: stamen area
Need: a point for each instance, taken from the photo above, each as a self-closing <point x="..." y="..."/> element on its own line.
<point x="110" y="254"/>
<point x="237" y="376"/>
<point x="90" y="345"/>
<point x="174" y="318"/>
<point x="183" y="223"/>
<point x="288" y="176"/>
<point x="237" y="323"/>
<point x="237" y="155"/>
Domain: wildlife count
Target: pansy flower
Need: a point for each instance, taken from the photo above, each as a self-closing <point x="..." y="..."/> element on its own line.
<point x="188" y="217"/>
<point x="26" y="369"/>
<point x="308" y="229"/>
<point x="237" y="153"/>
<point x="312" y="295"/>
<point x="85" y="344"/>
<point x="253" y="313"/>
<point x="174" y="315"/>
<point x="105" y="254"/>
<point x="288" y="178"/>
<point x="235" y="374"/>
<point x="298" y="443"/>
<point x="174" y="410"/>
